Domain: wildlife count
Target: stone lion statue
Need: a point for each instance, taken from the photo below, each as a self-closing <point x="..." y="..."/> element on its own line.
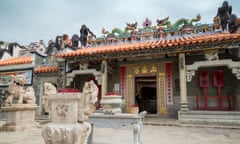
<point x="49" y="89"/>
<point x="16" y="91"/>
<point x="87" y="107"/>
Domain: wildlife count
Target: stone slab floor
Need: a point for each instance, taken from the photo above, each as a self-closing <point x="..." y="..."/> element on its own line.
<point x="150" y="135"/>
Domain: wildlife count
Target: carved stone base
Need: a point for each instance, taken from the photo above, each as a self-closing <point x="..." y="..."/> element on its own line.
<point x="66" y="133"/>
<point x="184" y="106"/>
<point x="19" y="117"/>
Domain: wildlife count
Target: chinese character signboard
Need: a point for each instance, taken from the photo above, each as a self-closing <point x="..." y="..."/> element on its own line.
<point x="169" y="88"/>
<point x="122" y="80"/>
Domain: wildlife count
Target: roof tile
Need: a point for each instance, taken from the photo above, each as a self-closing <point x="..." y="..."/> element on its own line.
<point x="154" y="44"/>
<point x="46" y="69"/>
<point x="18" y="60"/>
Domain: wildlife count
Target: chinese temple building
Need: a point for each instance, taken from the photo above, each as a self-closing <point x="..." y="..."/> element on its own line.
<point x="184" y="69"/>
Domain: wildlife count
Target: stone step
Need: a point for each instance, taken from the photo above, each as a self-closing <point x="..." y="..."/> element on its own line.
<point x="210" y="118"/>
<point x="210" y="126"/>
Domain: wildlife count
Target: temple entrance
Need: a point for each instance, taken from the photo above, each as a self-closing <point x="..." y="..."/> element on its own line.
<point x="146" y="93"/>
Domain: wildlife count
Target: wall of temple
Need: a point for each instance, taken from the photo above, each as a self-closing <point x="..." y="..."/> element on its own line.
<point x="231" y="84"/>
<point x="38" y="82"/>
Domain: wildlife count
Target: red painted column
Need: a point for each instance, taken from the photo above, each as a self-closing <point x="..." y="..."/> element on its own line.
<point x="204" y="84"/>
<point x="218" y="79"/>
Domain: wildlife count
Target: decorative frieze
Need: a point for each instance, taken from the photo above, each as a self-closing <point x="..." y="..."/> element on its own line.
<point x="234" y="65"/>
<point x="189" y="75"/>
<point x="97" y="75"/>
<point x="236" y="71"/>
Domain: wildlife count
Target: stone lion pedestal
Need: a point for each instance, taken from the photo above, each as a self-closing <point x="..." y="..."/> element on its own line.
<point x="19" y="117"/>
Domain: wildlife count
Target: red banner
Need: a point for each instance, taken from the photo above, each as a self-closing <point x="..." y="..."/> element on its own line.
<point x="122" y="80"/>
<point x="169" y="88"/>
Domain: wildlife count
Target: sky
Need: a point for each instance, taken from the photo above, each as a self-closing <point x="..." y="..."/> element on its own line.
<point x="26" y="21"/>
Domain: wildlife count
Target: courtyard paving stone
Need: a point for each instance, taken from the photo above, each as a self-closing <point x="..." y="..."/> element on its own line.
<point x="150" y="135"/>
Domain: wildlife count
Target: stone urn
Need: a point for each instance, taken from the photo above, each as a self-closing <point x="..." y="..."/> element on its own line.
<point x="111" y="103"/>
<point x="69" y="111"/>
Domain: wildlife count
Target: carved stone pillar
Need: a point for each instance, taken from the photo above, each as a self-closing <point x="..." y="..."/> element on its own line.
<point x="61" y="74"/>
<point x="183" y="84"/>
<point x="104" y="77"/>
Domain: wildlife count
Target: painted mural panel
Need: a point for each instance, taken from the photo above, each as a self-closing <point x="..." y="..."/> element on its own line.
<point x="5" y="77"/>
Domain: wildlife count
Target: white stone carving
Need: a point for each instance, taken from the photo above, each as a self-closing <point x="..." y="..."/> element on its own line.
<point x="234" y="65"/>
<point x="212" y="55"/>
<point x="48" y="89"/>
<point x="90" y="92"/>
<point x="189" y="75"/>
<point x="67" y="110"/>
<point x="83" y="66"/>
<point x="20" y="116"/>
<point x="16" y="91"/>
<point x="69" y="80"/>
<point x="66" y="133"/>
<point x="62" y="110"/>
<point x="64" y="107"/>
<point x="236" y="71"/>
<point x="111" y="104"/>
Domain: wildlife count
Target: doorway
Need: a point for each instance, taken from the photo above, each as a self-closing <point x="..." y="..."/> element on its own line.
<point x="146" y="93"/>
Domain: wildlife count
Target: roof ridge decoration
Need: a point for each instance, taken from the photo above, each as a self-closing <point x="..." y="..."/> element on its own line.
<point x="120" y="33"/>
<point x="183" y="28"/>
<point x="229" y="22"/>
<point x="10" y="50"/>
<point x="161" y="46"/>
<point x="178" y="23"/>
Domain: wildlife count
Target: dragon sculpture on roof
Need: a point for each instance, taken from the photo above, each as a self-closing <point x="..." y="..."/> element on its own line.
<point x="126" y="32"/>
<point x="178" y="23"/>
